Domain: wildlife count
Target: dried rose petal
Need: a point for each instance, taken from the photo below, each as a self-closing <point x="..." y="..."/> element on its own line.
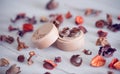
<point x="68" y="15"/>
<point x="21" y="33"/>
<point x="19" y="16"/>
<point x="110" y="72"/>
<point x="102" y="33"/>
<point x="52" y="5"/>
<point x="13" y="70"/>
<point x="31" y="20"/>
<point x="21" y="58"/>
<point x="118" y="17"/>
<point x="109" y="19"/>
<point x="106" y="51"/>
<point x="90" y="11"/>
<point x="65" y="32"/>
<point x="27" y="27"/>
<point x="59" y="18"/>
<point x="87" y="52"/>
<point x="98" y="61"/>
<point x="47" y="73"/>
<point x="111" y="65"/>
<point x="4" y="62"/>
<point x="117" y="65"/>
<point x="9" y="39"/>
<point x="82" y="28"/>
<point x="11" y="28"/>
<point x="76" y="60"/>
<point x="75" y="31"/>
<point x="100" y="23"/>
<point x="49" y="64"/>
<point x="102" y="41"/>
<point x="56" y="23"/>
<point x="114" y="27"/>
<point x="79" y="20"/>
<point x="58" y="59"/>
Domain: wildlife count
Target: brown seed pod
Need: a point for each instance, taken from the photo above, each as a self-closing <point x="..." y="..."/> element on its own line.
<point x="4" y="62"/>
<point x="13" y="70"/>
<point x="76" y="60"/>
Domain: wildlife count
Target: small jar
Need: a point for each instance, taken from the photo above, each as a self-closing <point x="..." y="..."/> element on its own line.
<point x="45" y="36"/>
<point x="71" y="43"/>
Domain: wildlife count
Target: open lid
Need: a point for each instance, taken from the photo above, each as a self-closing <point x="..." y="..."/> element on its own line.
<point x="45" y="35"/>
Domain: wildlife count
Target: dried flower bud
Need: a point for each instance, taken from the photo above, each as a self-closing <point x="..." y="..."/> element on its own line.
<point x="79" y="20"/>
<point x="4" y="62"/>
<point x="58" y="59"/>
<point x="44" y="19"/>
<point x="21" y="58"/>
<point x="68" y="15"/>
<point x="52" y="5"/>
<point x="13" y="70"/>
<point x="109" y="19"/>
<point x="47" y="73"/>
<point x="31" y="20"/>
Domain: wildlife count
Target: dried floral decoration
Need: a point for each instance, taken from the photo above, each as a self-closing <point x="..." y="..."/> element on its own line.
<point x="29" y="60"/>
<point x="21" y="45"/>
<point x="76" y="60"/>
<point x="9" y="39"/>
<point x="114" y="64"/>
<point x="106" y="51"/>
<point x="49" y="64"/>
<point x="102" y="41"/>
<point x="98" y="61"/>
<point x="13" y="70"/>
<point x="4" y="62"/>
<point x="52" y="5"/>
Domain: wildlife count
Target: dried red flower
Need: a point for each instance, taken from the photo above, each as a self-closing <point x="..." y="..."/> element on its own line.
<point x="102" y="33"/>
<point x="79" y="20"/>
<point x="68" y="15"/>
<point x="98" y="61"/>
<point x="49" y="64"/>
<point x="100" y="23"/>
<point x="27" y="27"/>
<point x="59" y="18"/>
